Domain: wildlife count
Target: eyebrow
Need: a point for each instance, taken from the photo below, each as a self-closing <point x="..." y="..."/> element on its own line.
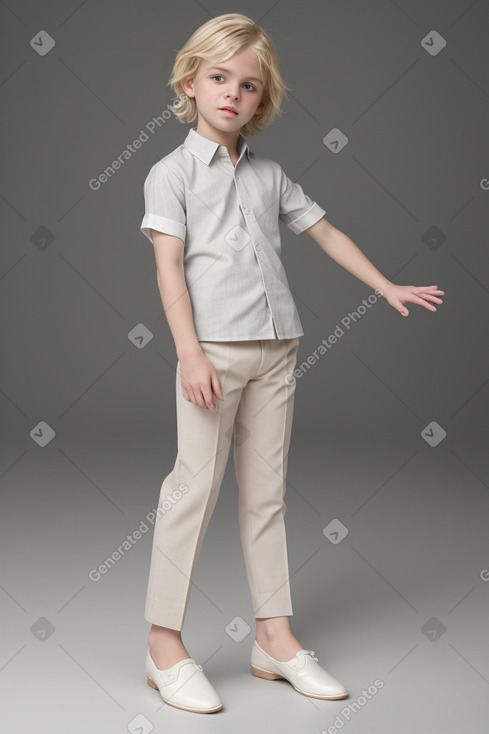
<point x="221" y="68"/>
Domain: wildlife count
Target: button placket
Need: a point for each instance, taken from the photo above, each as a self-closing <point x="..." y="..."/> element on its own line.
<point x="273" y="298"/>
<point x="266" y="277"/>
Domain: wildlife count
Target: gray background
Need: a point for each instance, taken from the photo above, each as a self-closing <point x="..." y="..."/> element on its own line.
<point x="416" y="549"/>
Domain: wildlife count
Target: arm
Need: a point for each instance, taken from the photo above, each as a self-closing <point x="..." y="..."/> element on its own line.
<point x="344" y="251"/>
<point x="174" y="293"/>
<point x="198" y="374"/>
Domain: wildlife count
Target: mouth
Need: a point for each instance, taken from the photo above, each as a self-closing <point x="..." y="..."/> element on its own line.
<point x="229" y="110"/>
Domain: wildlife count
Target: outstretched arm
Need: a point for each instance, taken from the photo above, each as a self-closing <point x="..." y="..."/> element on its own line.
<point x="345" y="252"/>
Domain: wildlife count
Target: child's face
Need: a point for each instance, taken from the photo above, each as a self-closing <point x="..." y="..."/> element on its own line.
<point x="236" y="82"/>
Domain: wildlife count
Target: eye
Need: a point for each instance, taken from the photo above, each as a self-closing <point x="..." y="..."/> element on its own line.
<point x="246" y="84"/>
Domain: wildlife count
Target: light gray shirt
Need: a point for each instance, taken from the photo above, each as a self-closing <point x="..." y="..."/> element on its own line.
<point x="227" y="217"/>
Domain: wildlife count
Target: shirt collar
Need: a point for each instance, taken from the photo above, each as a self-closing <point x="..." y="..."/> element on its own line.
<point x="204" y="149"/>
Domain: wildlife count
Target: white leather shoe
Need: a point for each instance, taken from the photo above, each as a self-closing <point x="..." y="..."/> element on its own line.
<point x="303" y="672"/>
<point x="184" y="686"/>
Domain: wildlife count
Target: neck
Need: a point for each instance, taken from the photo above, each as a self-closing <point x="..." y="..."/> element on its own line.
<point x="229" y="140"/>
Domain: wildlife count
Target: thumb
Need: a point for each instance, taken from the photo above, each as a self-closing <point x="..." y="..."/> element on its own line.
<point x="399" y="306"/>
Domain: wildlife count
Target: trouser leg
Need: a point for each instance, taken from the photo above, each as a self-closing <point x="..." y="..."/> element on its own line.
<point x="262" y="438"/>
<point x="191" y="489"/>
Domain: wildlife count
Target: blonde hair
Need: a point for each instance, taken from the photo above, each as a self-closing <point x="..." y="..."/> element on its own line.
<point x="218" y="40"/>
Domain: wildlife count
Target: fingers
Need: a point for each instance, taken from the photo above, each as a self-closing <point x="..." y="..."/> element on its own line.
<point x="209" y="402"/>
<point x="421" y="297"/>
<point x="432" y="298"/>
<point x="200" y="398"/>
<point x="399" y="306"/>
<point x="427" y="287"/>
<point x="203" y="399"/>
<point x="432" y="290"/>
<point x="185" y="387"/>
<point x="422" y="302"/>
<point x="203" y="396"/>
<point x="215" y="389"/>
<point x="216" y="386"/>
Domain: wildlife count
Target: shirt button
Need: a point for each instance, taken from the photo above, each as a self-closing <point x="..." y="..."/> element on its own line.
<point x="269" y="285"/>
<point x="258" y="247"/>
<point x="246" y="211"/>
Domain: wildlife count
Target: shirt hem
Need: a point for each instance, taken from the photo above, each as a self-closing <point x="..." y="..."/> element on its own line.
<point x="246" y="338"/>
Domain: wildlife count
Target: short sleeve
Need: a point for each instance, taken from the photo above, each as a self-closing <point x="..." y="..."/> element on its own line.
<point x="297" y="210"/>
<point x="164" y="200"/>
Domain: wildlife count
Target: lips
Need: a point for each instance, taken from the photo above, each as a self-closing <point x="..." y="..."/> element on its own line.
<point x="229" y="109"/>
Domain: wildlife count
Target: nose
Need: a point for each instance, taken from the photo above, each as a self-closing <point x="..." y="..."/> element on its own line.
<point x="232" y="91"/>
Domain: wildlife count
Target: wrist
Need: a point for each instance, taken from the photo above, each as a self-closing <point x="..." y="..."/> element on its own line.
<point x="383" y="286"/>
<point x="189" y="349"/>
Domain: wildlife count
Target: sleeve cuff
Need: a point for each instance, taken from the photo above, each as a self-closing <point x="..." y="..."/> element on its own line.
<point x="307" y="219"/>
<point x="162" y="224"/>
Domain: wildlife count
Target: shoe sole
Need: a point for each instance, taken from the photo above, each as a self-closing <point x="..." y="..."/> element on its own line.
<point x="274" y="676"/>
<point x="152" y="684"/>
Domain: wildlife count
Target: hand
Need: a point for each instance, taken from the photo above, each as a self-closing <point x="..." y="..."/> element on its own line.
<point x="397" y="295"/>
<point x="199" y="381"/>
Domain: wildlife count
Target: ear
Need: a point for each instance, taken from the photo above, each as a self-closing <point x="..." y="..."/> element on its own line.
<point x="188" y="86"/>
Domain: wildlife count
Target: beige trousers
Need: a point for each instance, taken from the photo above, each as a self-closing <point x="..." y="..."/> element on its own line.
<point x="258" y="387"/>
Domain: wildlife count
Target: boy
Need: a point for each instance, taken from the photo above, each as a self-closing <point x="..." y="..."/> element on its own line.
<point x="212" y="210"/>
